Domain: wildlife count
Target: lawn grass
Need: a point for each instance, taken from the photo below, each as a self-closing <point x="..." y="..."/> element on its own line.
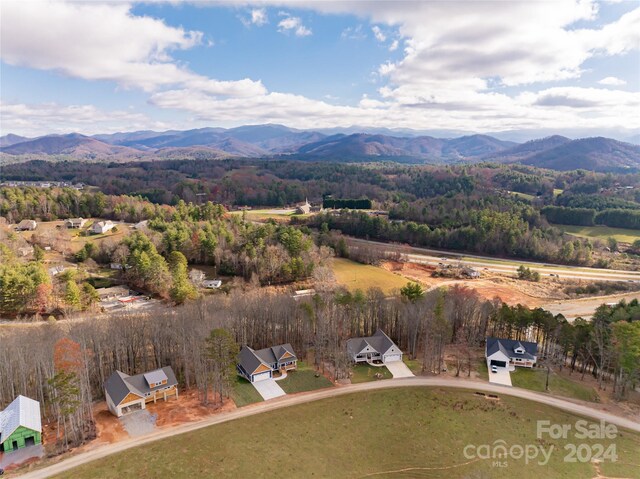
<point x="413" y="364"/>
<point x="244" y="393"/>
<point x="535" y="379"/>
<point x="362" y="373"/>
<point x="524" y="196"/>
<point x="601" y="232"/>
<point x="303" y="379"/>
<point x="354" y="276"/>
<point x="423" y="431"/>
<point x="483" y="372"/>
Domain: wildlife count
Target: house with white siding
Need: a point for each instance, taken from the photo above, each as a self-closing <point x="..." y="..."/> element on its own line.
<point x="376" y="348"/>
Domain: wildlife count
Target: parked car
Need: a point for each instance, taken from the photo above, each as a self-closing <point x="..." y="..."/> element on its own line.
<point x="494" y="369"/>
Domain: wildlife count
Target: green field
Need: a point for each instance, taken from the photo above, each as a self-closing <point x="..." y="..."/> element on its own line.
<point x="354" y="276"/>
<point x="303" y="379"/>
<point x="403" y="432"/>
<point x="535" y="379"/>
<point x="524" y="196"/>
<point x="602" y="232"/>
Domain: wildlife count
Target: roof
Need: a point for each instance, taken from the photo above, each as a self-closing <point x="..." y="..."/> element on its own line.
<point x="380" y="342"/>
<point x="119" y="384"/>
<point x="508" y="347"/>
<point x="23" y="411"/>
<point x="250" y="359"/>
<point x="27" y="223"/>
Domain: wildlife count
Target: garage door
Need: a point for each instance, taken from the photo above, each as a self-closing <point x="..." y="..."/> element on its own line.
<point x="500" y="364"/>
<point x="392" y="357"/>
<point x="261" y="376"/>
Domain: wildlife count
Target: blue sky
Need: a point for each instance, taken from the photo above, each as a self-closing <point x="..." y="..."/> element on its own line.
<point x="565" y="65"/>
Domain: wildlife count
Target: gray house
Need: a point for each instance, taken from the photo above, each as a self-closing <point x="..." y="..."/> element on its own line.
<point x="261" y="364"/>
<point x="502" y="352"/>
<point x="27" y="225"/>
<point x="378" y="347"/>
<point x="126" y="393"/>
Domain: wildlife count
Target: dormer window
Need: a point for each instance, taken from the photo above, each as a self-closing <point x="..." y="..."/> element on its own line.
<point x="519" y="350"/>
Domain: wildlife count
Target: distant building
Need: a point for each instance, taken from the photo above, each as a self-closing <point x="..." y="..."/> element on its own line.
<point x="102" y="227"/>
<point x="27" y="225"/>
<point x="470" y="273"/>
<point x="20" y="424"/>
<point x="114" y="292"/>
<point x="140" y="224"/>
<point x="55" y="270"/>
<point x="126" y="393"/>
<point x="303" y="209"/>
<point x="211" y="283"/>
<point x="75" y="223"/>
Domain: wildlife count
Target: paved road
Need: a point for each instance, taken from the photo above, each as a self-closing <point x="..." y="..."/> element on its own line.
<point x="291" y="400"/>
<point x="497" y="265"/>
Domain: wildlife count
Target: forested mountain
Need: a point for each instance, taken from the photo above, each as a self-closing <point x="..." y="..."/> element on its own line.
<point x="268" y="141"/>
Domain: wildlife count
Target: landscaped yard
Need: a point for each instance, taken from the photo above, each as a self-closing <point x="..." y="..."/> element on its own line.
<point x="410" y="432"/>
<point x="244" y="393"/>
<point x="602" y="232"/>
<point x="413" y="364"/>
<point x="535" y="379"/>
<point x="303" y="379"/>
<point x="354" y="276"/>
<point x="363" y="373"/>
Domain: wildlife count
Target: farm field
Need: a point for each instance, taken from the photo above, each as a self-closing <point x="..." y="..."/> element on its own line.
<point x="354" y="276"/>
<point x="430" y="429"/>
<point x="602" y="232"/>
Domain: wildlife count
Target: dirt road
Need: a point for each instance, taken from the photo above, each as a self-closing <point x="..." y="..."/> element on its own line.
<point x="291" y="400"/>
<point x="497" y="265"/>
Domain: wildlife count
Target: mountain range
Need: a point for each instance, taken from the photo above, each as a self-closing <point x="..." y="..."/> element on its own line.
<point x="277" y="141"/>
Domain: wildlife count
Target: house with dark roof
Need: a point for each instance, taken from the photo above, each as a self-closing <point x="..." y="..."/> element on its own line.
<point x="20" y="424"/>
<point x="378" y="347"/>
<point x="261" y="364"/>
<point x="126" y="393"/>
<point x="504" y="352"/>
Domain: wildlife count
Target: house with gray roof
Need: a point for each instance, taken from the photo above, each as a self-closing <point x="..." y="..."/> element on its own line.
<point x="503" y="352"/>
<point x="27" y="225"/>
<point x="126" y="393"/>
<point x="20" y="424"/>
<point x="261" y="364"/>
<point x="378" y="347"/>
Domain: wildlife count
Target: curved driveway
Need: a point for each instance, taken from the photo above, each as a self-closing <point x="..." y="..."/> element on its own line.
<point x="291" y="400"/>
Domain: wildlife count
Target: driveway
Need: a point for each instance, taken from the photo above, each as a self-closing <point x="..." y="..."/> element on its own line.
<point x="502" y="377"/>
<point x="139" y="423"/>
<point x="268" y="389"/>
<point x="399" y="369"/>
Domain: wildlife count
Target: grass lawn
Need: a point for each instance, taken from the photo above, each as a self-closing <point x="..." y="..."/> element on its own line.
<point x="535" y="380"/>
<point x="429" y="429"/>
<point x="363" y="373"/>
<point x="413" y="364"/>
<point x="244" y="393"/>
<point x="483" y="372"/>
<point x="354" y="276"/>
<point x="602" y="232"/>
<point x="303" y="379"/>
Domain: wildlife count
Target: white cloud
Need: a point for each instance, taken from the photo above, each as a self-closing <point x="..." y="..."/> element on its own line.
<point x="42" y="119"/>
<point x="257" y="17"/>
<point x="613" y="81"/>
<point x="394" y="45"/>
<point x="293" y="24"/>
<point x="378" y="33"/>
<point x="353" y="33"/>
<point x="97" y="41"/>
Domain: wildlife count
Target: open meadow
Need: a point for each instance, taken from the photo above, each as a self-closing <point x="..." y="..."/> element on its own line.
<point x="415" y="432"/>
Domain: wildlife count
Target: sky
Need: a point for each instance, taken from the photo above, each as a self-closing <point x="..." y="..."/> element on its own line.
<point x="561" y="66"/>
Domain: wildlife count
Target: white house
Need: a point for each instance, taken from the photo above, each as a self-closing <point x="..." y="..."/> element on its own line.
<point x="503" y="352"/>
<point x="75" y="223"/>
<point x="102" y="227"/>
<point x="212" y="283"/>
<point x="378" y="347"/>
